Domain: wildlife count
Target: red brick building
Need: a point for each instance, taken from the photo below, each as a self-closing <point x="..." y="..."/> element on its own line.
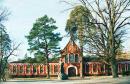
<point x="70" y="55"/>
<point x="71" y="58"/>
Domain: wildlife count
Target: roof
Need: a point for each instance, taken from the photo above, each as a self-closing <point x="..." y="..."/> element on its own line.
<point x="71" y="47"/>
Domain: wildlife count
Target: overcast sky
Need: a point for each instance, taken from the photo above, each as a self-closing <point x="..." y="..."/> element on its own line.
<point x="25" y="12"/>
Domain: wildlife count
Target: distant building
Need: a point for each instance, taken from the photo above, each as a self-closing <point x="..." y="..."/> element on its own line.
<point x="124" y="55"/>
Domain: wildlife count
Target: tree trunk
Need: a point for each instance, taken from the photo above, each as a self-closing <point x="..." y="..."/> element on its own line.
<point x="108" y="70"/>
<point x="0" y="77"/>
<point x="81" y="62"/>
<point x="0" y="72"/>
<point x="48" y="69"/>
<point x="113" y="52"/>
<point x="48" y="74"/>
<point x="114" y="69"/>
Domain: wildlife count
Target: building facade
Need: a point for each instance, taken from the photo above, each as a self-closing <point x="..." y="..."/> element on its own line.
<point x="72" y="60"/>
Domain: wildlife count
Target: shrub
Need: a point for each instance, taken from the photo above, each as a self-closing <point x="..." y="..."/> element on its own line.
<point x="125" y="73"/>
<point x="64" y="76"/>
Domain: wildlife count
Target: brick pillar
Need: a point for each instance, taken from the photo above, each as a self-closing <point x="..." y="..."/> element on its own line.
<point x="25" y="68"/>
<point x="98" y="69"/>
<point x="45" y="70"/>
<point x="53" y="69"/>
<point x="42" y="69"/>
<point x="31" y="69"/>
<point x="17" y="69"/>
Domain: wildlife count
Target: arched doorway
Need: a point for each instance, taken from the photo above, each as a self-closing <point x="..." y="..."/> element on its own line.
<point x="71" y="71"/>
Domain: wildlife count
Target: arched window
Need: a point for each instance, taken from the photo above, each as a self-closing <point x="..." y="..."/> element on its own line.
<point x="76" y="58"/>
<point x="71" y="58"/>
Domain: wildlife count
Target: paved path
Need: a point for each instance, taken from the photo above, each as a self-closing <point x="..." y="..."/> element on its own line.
<point x="92" y="80"/>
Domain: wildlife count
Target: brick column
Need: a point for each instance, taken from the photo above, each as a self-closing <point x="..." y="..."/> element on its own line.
<point x="25" y="67"/>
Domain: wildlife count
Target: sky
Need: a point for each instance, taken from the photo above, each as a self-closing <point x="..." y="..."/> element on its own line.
<point x="25" y="12"/>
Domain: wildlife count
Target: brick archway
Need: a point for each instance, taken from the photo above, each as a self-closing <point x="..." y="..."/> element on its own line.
<point x="72" y="70"/>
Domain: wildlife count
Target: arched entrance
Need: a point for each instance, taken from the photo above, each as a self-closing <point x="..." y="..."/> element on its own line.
<point x="71" y="71"/>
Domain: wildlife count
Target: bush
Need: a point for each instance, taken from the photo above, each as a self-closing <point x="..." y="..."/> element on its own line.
<point x="125" y="73"/>
<point x="64" y="76"/>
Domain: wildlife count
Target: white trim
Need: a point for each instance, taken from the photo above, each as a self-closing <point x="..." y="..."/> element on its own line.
<point x="73" y="67"/>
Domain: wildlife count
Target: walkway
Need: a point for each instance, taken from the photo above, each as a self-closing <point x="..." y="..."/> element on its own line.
<point x="87" y="80"/>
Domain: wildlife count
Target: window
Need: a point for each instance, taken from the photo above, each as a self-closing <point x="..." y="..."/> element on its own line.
<point x="28" y="68"/>
<point x="123" y="67"/>
<point x="34" y="68"/>
<point x="102" y="67"/>
<point x="21" y="69"/>
<point x="94" y="67"/>
<point x="86" y="68"/>
<point x="51" y="68"/>
<point x="14" y="69"/>
<point x="128" y="67"/>
<point x="76" y="58"/>
<point x="71" y="58"/>
<point x="18" y="69"/>
<point x="66" y="59"/>
<point x="55" y="69"/>
<point x="41" y="69"/>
